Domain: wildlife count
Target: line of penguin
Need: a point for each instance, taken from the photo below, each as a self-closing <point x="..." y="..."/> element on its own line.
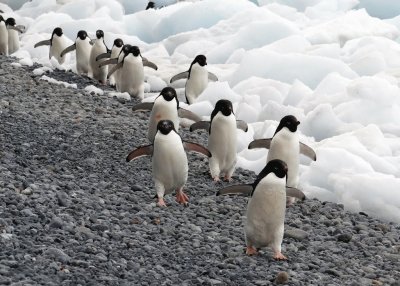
<point x="275" y="187"/>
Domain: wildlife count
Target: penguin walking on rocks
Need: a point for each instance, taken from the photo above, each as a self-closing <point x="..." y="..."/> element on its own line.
<point x="3" y="37"/>
<point x="57" y="44"/>
<point x="83" y="46"/>
<point x="114" y="53"/>
<point x="13" y="35"/>
<point x="197" y="78"/>
<point x="165" y="106"/>
<point x="266" y="208"/>
<point x="222" y="130"/>
<point x="99" y="47"/>
<point x="285" y="145"/>
<point x="131" y="76"/>
<point x="169" y="161"/>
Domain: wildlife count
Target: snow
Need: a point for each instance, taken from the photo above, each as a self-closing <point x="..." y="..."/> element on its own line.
<point x="92" y="90"/>
<point x="52" y="80"/>
<point x="334" y="64"/>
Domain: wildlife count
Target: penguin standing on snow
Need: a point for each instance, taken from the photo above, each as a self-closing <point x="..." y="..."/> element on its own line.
<point x="222" y="130"/>
<point x="3" y="37"/>
<point x="57" y="44"/>
<point x="165" y="106"/>
<point x="98" y="48"/>
<point x="197" y="78"/>
<point x="266" y="208"/>
<point x="285" y="145"/>
<point x="169" y="160"/>
<point x="83" y="46"/>
<point x="13" y="35"/>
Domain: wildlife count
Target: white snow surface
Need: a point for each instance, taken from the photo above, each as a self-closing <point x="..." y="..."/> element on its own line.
<point x="334" y="64"/>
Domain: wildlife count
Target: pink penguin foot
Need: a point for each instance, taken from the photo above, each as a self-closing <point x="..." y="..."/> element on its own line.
<point x="251" y="251"/>
<point x="181" y="197"/>
<point x="279" y="256"/>
<point x="161" y="202"/>
<point x="227" y="178"/>
<point x="216" y="179"/>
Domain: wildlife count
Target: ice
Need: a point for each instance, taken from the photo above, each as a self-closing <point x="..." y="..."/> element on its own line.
<point x="52" y="80"/>
<point x="92" y="90"/>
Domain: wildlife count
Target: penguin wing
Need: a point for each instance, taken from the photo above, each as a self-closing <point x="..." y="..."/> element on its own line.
<point x="200" y="125"/>
<point x="16" y="29"/>
<point x="103" y="56"/>
<point x="293" y="192"/>
<point x="144" y="106"/>
<point x="242" y="125"/>
<point x="178" y="76"/>
<point x="140" y="152"/>
<point x="108" y="62"/>
<point x="260" y="143"/>
<point x="147" y="63"/>
<point x="189" y="146"/>
<point x="242" y="190"/>
<point x="115" y="68"/>
<point x="212" y="76"/>
<point x="21" y="28"/>
<point x="188" y="114"/>
<point x="68" y="49"/>
<point x="308" y="151"/>
<point x="42" y="43"/>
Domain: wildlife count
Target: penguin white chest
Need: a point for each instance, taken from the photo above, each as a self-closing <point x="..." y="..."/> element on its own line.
<point x="83" y="49"/>
<point x="13" y="41"/>
<point x="99" y="73"/>
<point x="58" y="44"/>
<point x="162" y="110"/>
<point x="197" y="82"/>
<point x="3" y="39"/>
<point x="131" y="76"/>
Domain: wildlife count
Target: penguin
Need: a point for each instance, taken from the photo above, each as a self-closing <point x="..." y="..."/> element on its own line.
<point x="165" y="106"/>
<point x="98" y="48"/>
<point x="285" y="145"/>
<point x="150" y="5"/>
<point x="57" y="44"/>
<point x="197" y="78"/>
<point x="222" y="129"/>
<point x="114" y="53"/>
<point x="13" y="35"/>
<point x="131" y="76"/>
<point x="83" y="45"/>
<point x="266" y="207"/>
<point x="169" y="161"/>
<point x="3" y="37"/>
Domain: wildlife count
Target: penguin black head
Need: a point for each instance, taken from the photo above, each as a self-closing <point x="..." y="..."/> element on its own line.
<point x="150" y="5"/>
<point x="200" y="59"/>
<point x="118" y="43"/>
<point x="10" y="22"/>
<point x="99" y="34"/>
<point x="278" y="167"/>
<point x="290" y="122"/>
<point x="82" y="35"/>
<point x="165" y="126"/>
<point x="57" y="31"/>
<point x="168" y="93"/>
<point x="225" y="106"/>
<point x="135" y="51"/>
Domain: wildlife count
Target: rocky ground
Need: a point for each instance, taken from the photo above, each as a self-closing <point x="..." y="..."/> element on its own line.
<point x="73" y="212"/>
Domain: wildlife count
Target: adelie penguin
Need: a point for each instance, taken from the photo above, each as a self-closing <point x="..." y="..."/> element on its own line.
<point x="99" y="47"/>
<point x="13" y="35"/>
<point x="57" y="44"/>
<point x="165" y="106"/>
<point x="222" y="130"/>
<point x="131" y="74"/>
<point x="285" y="145"/>
<point x="113" y="54"/>
<point x="266" y="208"/>
<point x="169" y="161"/>
<point x="83" y="46"/>
<point x="197" y="78"/>
<point x="3" y="37"/>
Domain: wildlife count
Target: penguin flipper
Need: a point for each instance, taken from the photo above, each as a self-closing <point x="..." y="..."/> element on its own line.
<point x="114" y="69"/>
<point x="21" y="28"/>
<point x="260" y="143"/>
<point x="16" y="29"/>
<point x="294" y="192"/>
<point x="103" y="56"/>
<point x="189" y="146"/>
<point x="308" y="151"/>
<point x="147" y="63"/>
<point x="242" y="125"/>
<point x="42" y="43"/>
<point x="144" y="106"/>
<point x="178" y="76"/>
<point x="68" y="49"/>
<point x="212" y="76"/>
<point x="200" y="125"/>
<point x="140" y="152"/>
<point x="242" y="190"/>
<point x="188" y="114"/>
<point x="108" y="62"/>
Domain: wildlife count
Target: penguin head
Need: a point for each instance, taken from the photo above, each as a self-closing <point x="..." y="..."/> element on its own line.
<point x="10" y="22"/>
<point x="150" y="5"/>
<point x="57" y="31"/>
<point x="99" y="34"/>
<point x="134" y="50"/>
<point x="290" y="122"/>
<point x="168" y="93"/>
<point x="118" y="43"/>
<point x="165" y="126"/>
<point x="224" y="106"/>
<point x="82" y="35"/>
<point x="277" y="167"/>
<point x="201" y="60"/>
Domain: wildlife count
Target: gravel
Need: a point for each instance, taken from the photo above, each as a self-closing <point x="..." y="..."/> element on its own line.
<point x="73" y="212"/>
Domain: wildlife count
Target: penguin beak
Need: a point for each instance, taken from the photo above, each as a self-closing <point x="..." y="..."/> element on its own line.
<point x="298" y="122"/>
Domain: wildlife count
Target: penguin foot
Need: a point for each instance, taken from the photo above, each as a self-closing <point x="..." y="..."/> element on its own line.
<point x="181" y="197"/>
<point x="251" y="251"/>
<point x="161" y="202"/>
<point x="279" y="256"/>
<point x="216" y="179"/>
<point x="227" y="178"/>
